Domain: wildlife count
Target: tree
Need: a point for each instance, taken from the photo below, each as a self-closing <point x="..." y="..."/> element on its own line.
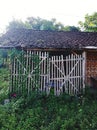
<point x="90" y="23"/>
<point x="16" y="24"/>
<point x="71" y="28"/>
<point x="41" y="24"/>
<point x="36" y="24"/>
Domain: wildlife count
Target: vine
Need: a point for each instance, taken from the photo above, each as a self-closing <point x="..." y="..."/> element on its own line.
<point x="25" y="72"/>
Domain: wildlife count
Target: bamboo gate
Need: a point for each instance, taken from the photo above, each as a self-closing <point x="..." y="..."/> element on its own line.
<point x="35" y="70"/>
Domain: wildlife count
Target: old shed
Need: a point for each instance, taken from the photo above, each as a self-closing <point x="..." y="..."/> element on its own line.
<point x="45" y="60"/>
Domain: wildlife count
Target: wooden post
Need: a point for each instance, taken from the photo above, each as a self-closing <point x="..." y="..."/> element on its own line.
<point x="84" y="69"/>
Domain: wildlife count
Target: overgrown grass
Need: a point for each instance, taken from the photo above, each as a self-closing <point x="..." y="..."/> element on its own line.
<point x="4" y="83"/>
<point x="42" y="112"/>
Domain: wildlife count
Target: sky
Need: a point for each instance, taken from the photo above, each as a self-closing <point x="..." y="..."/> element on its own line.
<point x="68" y="12"/>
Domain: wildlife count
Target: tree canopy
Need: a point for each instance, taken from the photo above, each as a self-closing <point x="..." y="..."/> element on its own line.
<point x="40" y="24"/>
<point x="90" y="23"/>
<point x="71" y="28"/>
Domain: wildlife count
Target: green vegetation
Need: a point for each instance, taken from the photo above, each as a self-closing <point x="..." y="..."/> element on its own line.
<point x="40" y="24"/>
<point x="90" y="23"/>
<point x="4" y="82"/>
<point x="42" y="112"/>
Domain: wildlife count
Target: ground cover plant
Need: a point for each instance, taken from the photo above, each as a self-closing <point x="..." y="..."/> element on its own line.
<point x="42" y="112"/>
<point x="4" y="83"/>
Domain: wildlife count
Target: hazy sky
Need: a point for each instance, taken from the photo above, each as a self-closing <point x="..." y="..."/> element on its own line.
<point x="69" y="12"/>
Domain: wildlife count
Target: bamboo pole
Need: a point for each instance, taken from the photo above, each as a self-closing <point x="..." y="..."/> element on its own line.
<point x="84" y="68"/>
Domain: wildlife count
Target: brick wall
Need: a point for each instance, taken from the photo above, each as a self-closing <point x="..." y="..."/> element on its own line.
<point x="91" y="66"/>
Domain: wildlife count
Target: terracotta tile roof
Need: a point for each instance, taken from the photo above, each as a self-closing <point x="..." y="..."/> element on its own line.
<point x="48" y="39"/>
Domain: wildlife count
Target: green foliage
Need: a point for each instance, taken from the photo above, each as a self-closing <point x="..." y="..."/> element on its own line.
<point x="90" y="23"/>
<point x="71" y="28"/>
<point x="4" y="82"/>
<point x="23" y="61"/>
<point x="42" y="112"/>
<point x="41" y="24"/>
<point x="3" y="57"/>
<point x="15" y="24"/>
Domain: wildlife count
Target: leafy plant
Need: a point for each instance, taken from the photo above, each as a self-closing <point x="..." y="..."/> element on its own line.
<point x="42" y="112"/>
